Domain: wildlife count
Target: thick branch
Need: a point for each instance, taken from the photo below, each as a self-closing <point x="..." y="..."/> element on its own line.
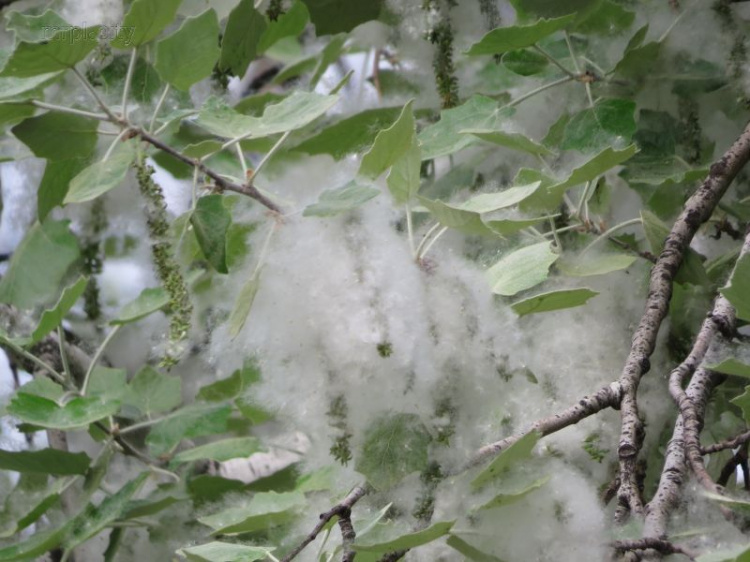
<point x="697" y="210"/>
<point x="340" y="510"/>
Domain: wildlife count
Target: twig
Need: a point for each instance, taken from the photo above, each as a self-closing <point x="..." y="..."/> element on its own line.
<point x="697" y="210"/>
<point x="735" y="441"/>
<point x="343" y="508"/>
<point x="347" y="534"/>
<point x="659" y="545"/>
<point x="625" y="246"/>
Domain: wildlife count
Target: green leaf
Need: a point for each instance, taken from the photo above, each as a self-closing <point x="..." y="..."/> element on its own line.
<point x="468" y="551"/>
<point x="239" y="46"/>
<point x="221" y="450"/>
<point x="290" y="24"/>
<point x="39" y="543"/>
<point x="211" y="221"/>
<point x="52" y="318"/>
<point x="736" y="554"/>
<point x="518" y="451"/>
<point x="77" y="413"/>
<point x="737" y="291"/>
<point x="638" y="61"/>
<point x="187" y="423"/>
<point x="445" y="137"/>
<point x="553" y="300"/>
<point x="46" y="461"/>
<point x="593" y="264"/>
<point x="336" y="16"/>
<point x="13" y="88"/>
<point x="109" y="384"/>
<point x="189" y="54"/>
<point x="224" y="552"/>
<point x="154" y="393"/>
<point x="233" y="386"/>
<point x="148" y="302"/>
<point x="514" y="141"/>
<point x="489" y="202"/>
<point x="243" y="305"/>
<point x="404" y="178"/>
<point x="145" y="20"/>
<point x="514" y="37"/>
<point x="42" y="135"/>
<point x="552" y="8"/>
<point x="521" y="269"/>
<point x="607" y="19"/>
<point x="329" y="55"/>
<point x="95" y="519"/>
<point x="610" y="122"/>
<point x="345" y="198"/>
<point x="409" y="540"/>
<point x="389" y="145"/>
<point x="469" y="222"/>
<point x="395" y="445"/>
<point x="351" y="134"/>
<point x="743" y="403"/>
<point x="55" y="183"/>
<point x="525" y="62"/>
<point x="62" y="51"/>
<point x="103" y="176"/>
<point x="32" y="28"/>
<point x="731" y="366"/>
<point x="264" y="510"/>
<point x="39" y="265"/>
<point x="43" y="387"/>
<point x="504" y="227"/>
<point x="506" y="498"/>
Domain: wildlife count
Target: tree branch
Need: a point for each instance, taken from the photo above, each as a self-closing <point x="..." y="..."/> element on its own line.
<point x="697" y="210"/>
<point x="340" y="510"/>
<point x="659" y="545"/>
<point x="735" y="441"/>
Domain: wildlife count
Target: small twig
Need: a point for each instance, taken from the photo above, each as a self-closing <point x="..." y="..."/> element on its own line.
<point x="625" y="246"/>
<point x="660" y="545"/>
<point x="338" y="510"/>
<point x="735" y="441"/>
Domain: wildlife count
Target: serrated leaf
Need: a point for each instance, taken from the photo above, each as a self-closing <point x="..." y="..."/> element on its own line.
<point x="77" y="413"/>
<point x="468" y="551"/>
<point x="239" y="45"/>
<point x="521" y="269"/>
<point x="525" y="62"/>
<point x="264" y="510"/>
<point x="187" y="423"/>
<point x="221" y="450"/>
<point x="409" y="540"/>
<point x="514" y="141"/>
<point x="593" y="264"/>
<point x="145" y="20"/>
<point x="233" y="386"/>
<point x="109" y="384"/>
<point x="335" y="201"/>
<point x="61" y="51"/>
<point x="607" y="19"/>
<point x="404" y="178"/>
<point x="224" y="552"/>
<point x="390" y="144"/>
<point x="444" y="137"/>
<point x="52" y="318"/>
<point x="290" y="24"/>
<point x="148" y="302"/>
<point x="211" y="221"/>
<point x="514" y="37"/>
<point x="516" y="452"/>
<point x="395" y="445"/>
<point x="34" y="28"/>
<point x="469" y="222"/>
<point x="553" y="300"/>
<point x="39" y="265"/>
<point x="509" y="497"/>
<point x="336" y="16"/>
<point x="731" y="366"/>
<point x="154" y="393"/>
<point x="190" y="53"/>
<point x="42" y="135"/>
<point x="103" y="176"/>
<point x="610" y="122"/>
<point x="45" y="461"/>
<point x="737" y="291"/>
<point x="13" y="88"/>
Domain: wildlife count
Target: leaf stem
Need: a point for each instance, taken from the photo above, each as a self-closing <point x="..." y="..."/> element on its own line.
<point x="95" y="95"/>
<point x="112" y="146"/>
<point x="432" y="229"/>
<point x="610" y="231"/>
<point x="410" y="229"/>
<point x="63" y="355"/>
<point x="70" y="110"/>
<point x="128" y="81"/>
<point x="538" y="90"/>
<point x="95" y="359"/>
<point x="553" y="60"/>
<point x="432" y="242"/>
<point x="157" y="109"/>
<point x="34" y="359"/>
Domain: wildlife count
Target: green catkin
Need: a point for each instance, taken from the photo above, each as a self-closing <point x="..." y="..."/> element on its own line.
<point x="738" y="59"/>
<point x="488" y="9"/>
<point x="338" y="412"/>
<point x="690" y="129"/>
<point x="441" y="35"/>
<point x="275" y="9"/>
<point x="425" y="504"/>
<point x="93" y="260"/>
<point x="167" y="269"/>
